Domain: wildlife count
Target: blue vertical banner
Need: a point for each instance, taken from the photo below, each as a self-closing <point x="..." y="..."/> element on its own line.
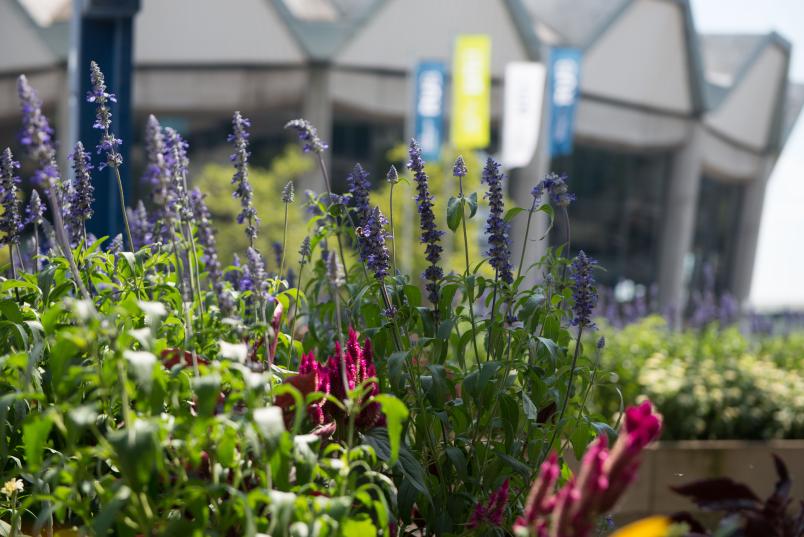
<point x="564" y="87"/>
<point x="429" y="106"/>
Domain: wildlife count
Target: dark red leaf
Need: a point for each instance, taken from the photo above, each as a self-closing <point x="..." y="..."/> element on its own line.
<point x="719" y="494"/>
<point x="174" y="356"/>
<point x="304" y="383"/>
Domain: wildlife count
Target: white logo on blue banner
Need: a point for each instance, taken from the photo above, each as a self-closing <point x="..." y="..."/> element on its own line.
<point x="430" y="108"/>
<point x="522" y="119"/>
<point x="565" y="81"/>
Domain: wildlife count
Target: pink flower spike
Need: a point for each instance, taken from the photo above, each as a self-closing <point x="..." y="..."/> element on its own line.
<point x="642" y="425"/>
<point x="497" y="502"/>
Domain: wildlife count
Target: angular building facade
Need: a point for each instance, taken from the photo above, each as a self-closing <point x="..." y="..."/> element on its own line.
<point x="676" y="133"/>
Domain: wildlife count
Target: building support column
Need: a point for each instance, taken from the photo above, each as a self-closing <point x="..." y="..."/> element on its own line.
<point x="747" y="232"/>
<point x="678" y="225"/>
<point x="521" y="182"/>
<point x="317" y="109"/>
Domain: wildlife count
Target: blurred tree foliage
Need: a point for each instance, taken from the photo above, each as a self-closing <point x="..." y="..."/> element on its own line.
<point x="215" y="181"/>
<point x="443" y="185"/>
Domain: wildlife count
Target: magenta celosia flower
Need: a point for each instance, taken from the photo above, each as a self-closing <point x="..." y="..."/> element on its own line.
<point x="494" y="510"/>
<point x="359" y="362"/>
<point x="604" y="476"/>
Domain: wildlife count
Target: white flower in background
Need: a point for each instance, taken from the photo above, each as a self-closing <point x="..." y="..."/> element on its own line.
<point x="12" y="486"/>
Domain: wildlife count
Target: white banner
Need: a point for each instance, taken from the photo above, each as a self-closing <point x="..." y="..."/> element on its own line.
<point x="524" y="91"/>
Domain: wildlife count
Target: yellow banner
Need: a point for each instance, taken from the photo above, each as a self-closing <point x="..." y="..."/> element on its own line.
<point x="471" y="92"/>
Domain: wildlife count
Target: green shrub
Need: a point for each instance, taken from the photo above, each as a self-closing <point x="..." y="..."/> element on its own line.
<point x="710" y="384"/>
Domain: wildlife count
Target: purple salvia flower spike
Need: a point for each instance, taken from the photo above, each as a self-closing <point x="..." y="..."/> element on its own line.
<point x="583" y="290"/>
<point x="243" y="191"/>
<point x="103" y="118"/>
<point x="497" y="228"/>
<point x="11" y="220"/>
<point x="206" y="236"/>
<point x="308" y="135"/>
<point x="373" y="251"/>
<point x="35" y="211"/>
<point x="78" y="208"/>
<point x="37" y="138"/>
<point x="430" y="234"/>
<point x="359" y="187"/>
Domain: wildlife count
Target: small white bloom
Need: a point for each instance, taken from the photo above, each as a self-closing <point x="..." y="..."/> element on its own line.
<point x="12" y="486"/>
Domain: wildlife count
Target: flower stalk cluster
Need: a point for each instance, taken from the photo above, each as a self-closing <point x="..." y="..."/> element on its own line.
<point x="602" y="480"/>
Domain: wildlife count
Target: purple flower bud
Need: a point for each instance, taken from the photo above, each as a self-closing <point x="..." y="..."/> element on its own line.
<point x="304" y="251"/>
<point x="10" y="221"/>
<point x="497" y="228"/>
<point x="459" y="169"/>
<point x="34" y="212"/>
<point x="308" y="135"/>
<point x="392" y="176"/>
<point x="288" y="192"/>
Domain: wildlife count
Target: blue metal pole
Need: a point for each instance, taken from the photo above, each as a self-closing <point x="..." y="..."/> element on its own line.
<point x="103" y="32"/>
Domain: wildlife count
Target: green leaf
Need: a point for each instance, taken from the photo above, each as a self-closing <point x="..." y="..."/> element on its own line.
<point x="34" y="437"/>
<point x="531" y="412"/>
<point x="358" y="528"/>
<point x="207" y="390"/>
<point x="395" y="414"/>
<point x="472" y="202"/>
<point x="270" y="423"/>
<point x="512" y="212"/>
<point x="454" y="213"/>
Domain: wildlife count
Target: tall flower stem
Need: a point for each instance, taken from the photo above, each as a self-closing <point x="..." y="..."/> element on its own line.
<point x="13" y="269"/>
<point x="389" y="307"/>
<point x="284" y="242"/>
<point x="61" y="238"/>
<point x="491" y="315"/>
<point x="36" y="247"/>
<point x="525" y="239"/>
<point x="295" y="315"/>
<point x="559" y="425"/>
<point x="391" y="225"/>
<point x="470" y="290"/>
<point x="325" y="174"/>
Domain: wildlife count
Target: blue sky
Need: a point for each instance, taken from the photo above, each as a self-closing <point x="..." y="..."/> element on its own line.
<point x="780" y="256"/>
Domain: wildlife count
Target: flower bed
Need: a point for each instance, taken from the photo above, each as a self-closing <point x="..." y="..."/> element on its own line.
<point x="714" y="383"/>
<point x="148" y="389"/>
